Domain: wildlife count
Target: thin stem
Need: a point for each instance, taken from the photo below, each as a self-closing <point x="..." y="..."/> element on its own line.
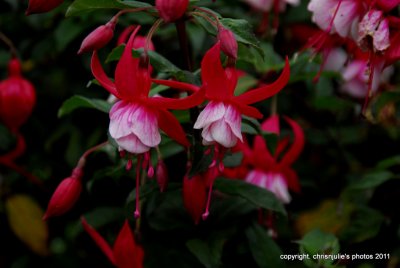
<point x="209" y="13"/>
<point x="206" y="18"/>
<point x="32" y="178"/>
<point x="274" y="105"/>
<point x="82" y="160"/>
<point x="137" y="210"/>
<point x="183" y="42"/>
<point x="9" y="43"/>
<point x="131" y="11"/>
<point x="150" y="34"/>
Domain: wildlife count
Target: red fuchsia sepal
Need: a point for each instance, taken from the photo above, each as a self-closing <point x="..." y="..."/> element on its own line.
<point x="171" y="10"/>
<point x="99" y="37"/>
<point x="125" y="253"/>
<point x="66" y="195"/>
<point x="42" y="6"/>
<point x="136" y="118"/>
<point x="228" y="42"/>
<point x="17" y="97"/>
<point x="195" y="196"/>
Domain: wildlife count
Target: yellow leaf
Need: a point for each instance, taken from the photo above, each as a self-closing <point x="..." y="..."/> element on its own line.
<point x="330" y="216"/>
<point x="25" y="219"/>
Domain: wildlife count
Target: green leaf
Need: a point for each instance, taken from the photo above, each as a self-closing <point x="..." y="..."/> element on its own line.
<point x="209" y="254"/>
<point x="77" y="101"/>
<point x="319" y="242"/>
<point x="233" y="160"/>
<point x="254" y="194"/>
<point x="389" y="162"/>
<point x="79" y="7"/>
<point x="265" y="251"/>
<point x="371" y="180"/>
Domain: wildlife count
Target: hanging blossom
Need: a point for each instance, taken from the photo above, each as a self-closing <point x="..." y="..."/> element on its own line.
<point x="126" y="253"/>
<point x="135" y="118"/>
<point x="271" y="171"/>
<point x="220" y="120"/>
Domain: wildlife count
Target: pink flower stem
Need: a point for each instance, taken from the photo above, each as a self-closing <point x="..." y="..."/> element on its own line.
<point x="9" y="43"/>
<point x="209" y="13"/>
<point x="137" y="211"/>
<point x="82" y="160"/>
<point x="150" y="34"/>
<point x="207" y="212"/>
<point x="370" y="81"/>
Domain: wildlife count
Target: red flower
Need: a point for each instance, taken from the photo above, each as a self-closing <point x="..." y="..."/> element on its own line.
<point x="228" y="42"/>
<point x="42" y="6"/>
<point x="220" y="120"/>
<point x="17" y="97"/>
<point x="171" y="10"/>
<point x="125" y="253"/>
<point x="135" y="119"/>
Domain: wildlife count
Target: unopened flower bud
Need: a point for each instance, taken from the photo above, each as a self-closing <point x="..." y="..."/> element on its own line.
<point x="65" y="196"/>
<point x="162" y="175"/>
<point x="98" y="38"/>
<point x="42" y="6"/>
<point x="17" y="97"/>
<point x="194" y="196"/>
<point x="228" y="42"/>
<point x="171" y="10"/>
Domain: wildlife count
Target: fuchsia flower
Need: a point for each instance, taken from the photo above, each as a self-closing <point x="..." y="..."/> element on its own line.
<point x="171" y="10"/>
<point x="221" y="119"/>
<point x="136" y="118"/>
<point x="336" y="16"/>
<point x="374" y="26"/>
<point x="17" y="97"/>
<point x="42" y="6"/>
<point x="195" y="196"/>
<point x="138" y="42"/>
<point x="125" y="253"/>
<point x="272" y="172"/>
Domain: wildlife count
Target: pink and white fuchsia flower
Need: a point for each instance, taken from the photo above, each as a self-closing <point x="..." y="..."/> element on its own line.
<point x="221" y="119"/>
<point x="274" y="182"/>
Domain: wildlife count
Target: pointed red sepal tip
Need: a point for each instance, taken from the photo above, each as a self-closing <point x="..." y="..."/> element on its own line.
<point x="271" y="125"/>
<point x="98" y="38"/>
<point x="298" y="143"/>
<point x="264" y="92"/>
<point x="171" y="11"/>
<point x="64" y="197"/>
<point x="194" y="196"/>
<point x="42" y="6"/>
<point x="228" y="41"/>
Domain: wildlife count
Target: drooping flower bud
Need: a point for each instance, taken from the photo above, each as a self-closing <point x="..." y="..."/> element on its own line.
<point x="228" y="42"/>
<point x="17" y="97"/>
<point x="162" y="175"/>
<point x="171" y="10"/>
<point x="42" y="6"/>
<point x="194" y="196"/>
<point x="65" y="196"/>
<point x="99" y="37"/>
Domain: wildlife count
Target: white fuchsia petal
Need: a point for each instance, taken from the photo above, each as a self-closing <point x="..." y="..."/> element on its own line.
<point x="132" y="144"/>
<point x="212" y="112"/>
<point x="144" y="125"/>
<point x="222" y="133"/>
<point x="234" y="120"/>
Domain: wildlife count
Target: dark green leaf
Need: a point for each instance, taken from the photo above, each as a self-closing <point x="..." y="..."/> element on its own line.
<point x="208" y="255"/>
<point x="263" y="248"/>
<point x="371" y="180"/>
<point x="79" y="7"/>
<point x="254" y="194"/>
<point x="77" y="101"/>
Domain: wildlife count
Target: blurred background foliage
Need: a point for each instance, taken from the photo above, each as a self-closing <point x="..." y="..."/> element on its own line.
<point x="349" y="170"/>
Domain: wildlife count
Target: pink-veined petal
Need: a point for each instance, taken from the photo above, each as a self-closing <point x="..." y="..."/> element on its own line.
<point x="298" y="143"/>
<point x="143" y="123"/>
<point x="213" y="75"/>
<point x="170" y="125"/>
<point x="234" y="120"/>
<point x="99" y="240"/>
<point x="132" y="144"/>
<point x="177" y="85"/>
<point x="100" y="75"/>
<point x="127" y="254"/>
<point x="214" y="111"/>
<point x="177" y="104"/>
<point x="267" y="91"/>
<point x="222" y="133"/>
